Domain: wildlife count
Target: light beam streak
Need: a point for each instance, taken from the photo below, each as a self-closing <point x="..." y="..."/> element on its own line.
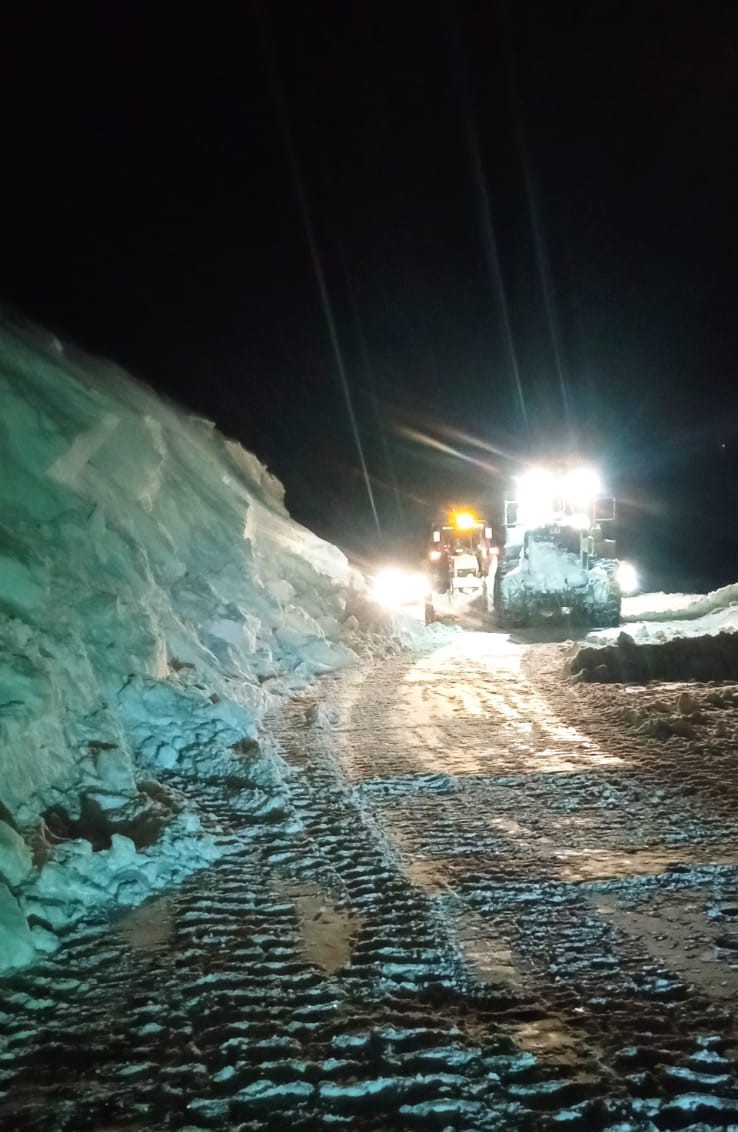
<point x="489" y="239"/>
<point x="312" y="243"/>
<point x="377" y="410"/>
<point x="431" y="442"/>
<point x="539" y="240"/>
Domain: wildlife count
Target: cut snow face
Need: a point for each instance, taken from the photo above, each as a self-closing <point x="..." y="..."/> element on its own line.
<point x="154" y="597"/>
<point x="668" y="637"/>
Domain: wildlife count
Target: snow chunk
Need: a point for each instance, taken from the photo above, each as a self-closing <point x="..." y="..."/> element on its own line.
<point x="16" y="941"/>
<point x="15" y="856"/>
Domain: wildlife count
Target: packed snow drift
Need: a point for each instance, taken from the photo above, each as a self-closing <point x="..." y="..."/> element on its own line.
<point x="668" y="637"/>
<point x="154" y="597"/>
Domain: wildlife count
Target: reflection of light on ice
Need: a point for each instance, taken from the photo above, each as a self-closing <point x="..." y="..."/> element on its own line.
<point x="566" y="734"/>
<point x="490" y="647"/>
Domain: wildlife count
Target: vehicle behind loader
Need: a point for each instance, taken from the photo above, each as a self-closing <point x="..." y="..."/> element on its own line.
<point x="461" y="559"/>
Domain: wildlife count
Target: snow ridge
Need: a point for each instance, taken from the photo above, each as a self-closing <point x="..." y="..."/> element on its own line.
<point x="154" y="597"/>
<point x="679" y="607"/>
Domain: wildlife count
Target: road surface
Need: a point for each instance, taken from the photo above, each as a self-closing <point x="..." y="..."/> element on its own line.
<point x="493" y="903"/>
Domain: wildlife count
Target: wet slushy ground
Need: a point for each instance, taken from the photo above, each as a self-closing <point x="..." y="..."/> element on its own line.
<point x="496" y="900"/>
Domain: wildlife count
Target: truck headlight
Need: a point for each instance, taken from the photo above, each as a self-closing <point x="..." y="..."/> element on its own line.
<point x="394" y="587"/>
<point x="627" y="578"/>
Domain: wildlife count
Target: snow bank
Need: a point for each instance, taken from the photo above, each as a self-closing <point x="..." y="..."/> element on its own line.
<point x="720" y="619"/>
<point x="682" y="658"/>
<point x="154" y="597"/>
<point x="669" y="637"/>
<point x="680" y="607"/>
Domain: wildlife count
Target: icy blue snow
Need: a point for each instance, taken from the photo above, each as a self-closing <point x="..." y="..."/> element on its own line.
<point x="155" y="597"/>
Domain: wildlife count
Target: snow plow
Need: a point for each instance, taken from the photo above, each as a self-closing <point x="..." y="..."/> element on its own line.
<point x="559" y="556"/>
<point x="461" y="557"/>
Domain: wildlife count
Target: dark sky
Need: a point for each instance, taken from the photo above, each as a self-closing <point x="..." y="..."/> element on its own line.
<point x="479" y="189"/>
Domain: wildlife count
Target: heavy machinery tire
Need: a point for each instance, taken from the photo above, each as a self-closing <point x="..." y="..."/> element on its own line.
<point x="607" y="616"/>
<point x="499" y="613"/>
<point x="506" y="618"/>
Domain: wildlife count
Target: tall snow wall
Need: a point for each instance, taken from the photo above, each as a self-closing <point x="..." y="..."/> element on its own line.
<point x="154" y="593"/>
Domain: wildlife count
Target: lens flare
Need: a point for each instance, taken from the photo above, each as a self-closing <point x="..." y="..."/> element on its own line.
<point x="627" y="578"/>
<point x="394" y="587"/>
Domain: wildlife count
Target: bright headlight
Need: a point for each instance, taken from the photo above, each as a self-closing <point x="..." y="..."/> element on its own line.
<point x="534" y="491"/>
<point x="542" y="493"/>
<point x="580" y="485"/>
<point x="627" y="578"/>
<point x="537" y="483"/>
<point x="393" y="587"/>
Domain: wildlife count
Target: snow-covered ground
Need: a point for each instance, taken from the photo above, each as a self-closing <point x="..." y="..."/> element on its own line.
<point x="686" y="615"/>
<point x="666" y="637"/>
<point x="155" y="597"/>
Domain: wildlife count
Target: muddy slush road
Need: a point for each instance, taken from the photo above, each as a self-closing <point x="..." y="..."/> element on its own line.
<point x="496" y="901"/>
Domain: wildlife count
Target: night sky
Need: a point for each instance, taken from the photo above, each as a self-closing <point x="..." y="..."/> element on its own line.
<point x="502" y="229"/>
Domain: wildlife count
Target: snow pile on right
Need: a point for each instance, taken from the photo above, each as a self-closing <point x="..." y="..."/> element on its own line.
<point x="669" y="637"/>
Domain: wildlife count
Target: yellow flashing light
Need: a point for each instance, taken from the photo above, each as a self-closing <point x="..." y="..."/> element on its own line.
<point x="464" y="521"/>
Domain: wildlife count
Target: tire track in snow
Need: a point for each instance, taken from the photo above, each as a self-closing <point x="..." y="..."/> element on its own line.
<point x="531" y="830"/>
<point x="409" y="947"/>
<point x="210" y="1014"/>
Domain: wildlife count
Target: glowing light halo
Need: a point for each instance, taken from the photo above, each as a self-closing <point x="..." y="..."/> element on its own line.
<point x="393" y="587"/>
<point x="538" y="488"/>
<point x="581" y="485"/>
<point x="627" y="576"/>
